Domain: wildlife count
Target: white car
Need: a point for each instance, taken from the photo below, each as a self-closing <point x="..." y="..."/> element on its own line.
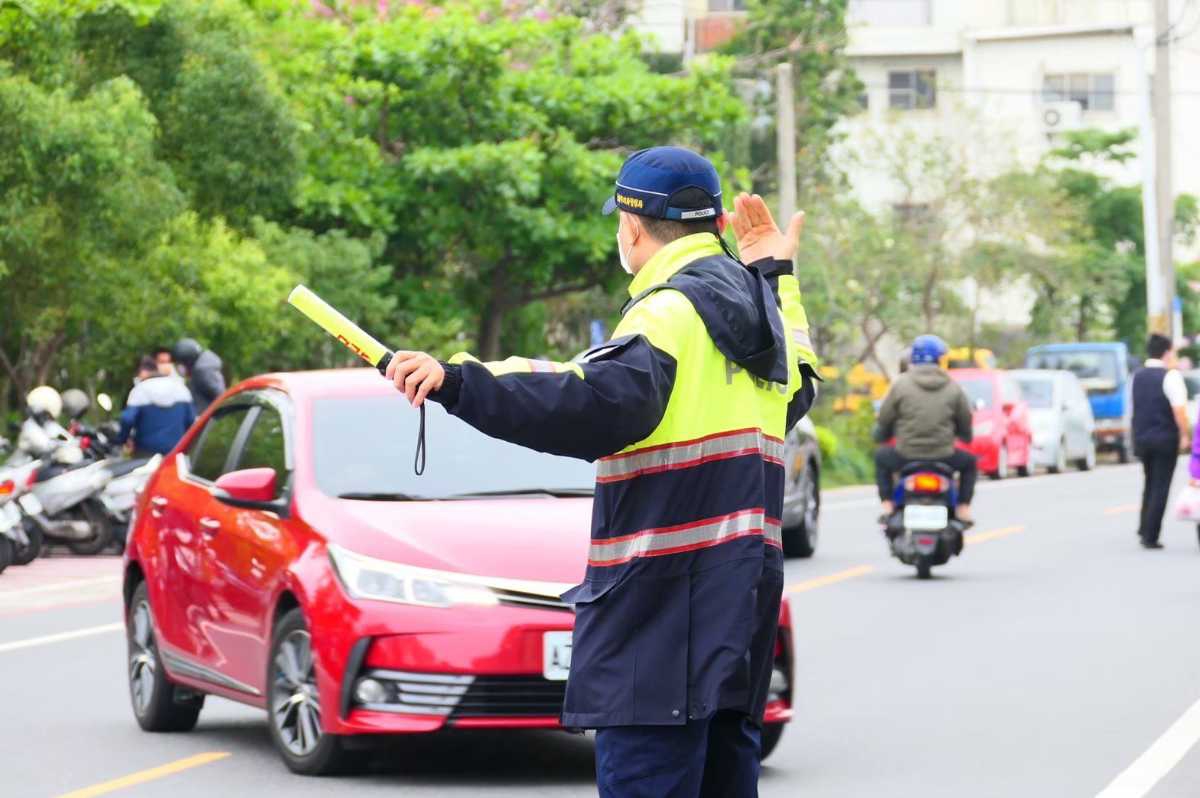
<point x="1060" y="416"/>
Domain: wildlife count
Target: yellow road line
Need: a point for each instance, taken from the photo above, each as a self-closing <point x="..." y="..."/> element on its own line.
<point x="830" y="579"/>
<point x="992" y="534"/>
<point x="143" y="776"/>
<point x="1123" y="508"/>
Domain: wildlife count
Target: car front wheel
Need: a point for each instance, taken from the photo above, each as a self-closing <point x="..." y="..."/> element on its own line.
<point x="158" y="705"/>
<point x="771" y="732"/>
<point x="801" y="540"/>
<point x="295" y="706"/>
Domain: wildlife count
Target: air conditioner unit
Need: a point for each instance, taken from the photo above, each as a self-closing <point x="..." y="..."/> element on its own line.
<point x="1061" y="116"/>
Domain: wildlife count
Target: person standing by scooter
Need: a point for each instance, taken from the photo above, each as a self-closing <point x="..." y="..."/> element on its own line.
<point x="203" y="369"/>
<point x="157" y="414"/>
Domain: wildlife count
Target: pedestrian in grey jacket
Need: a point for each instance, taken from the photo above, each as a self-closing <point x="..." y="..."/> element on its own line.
<point x="203" y="369"/>
<point x="925" y="411"/>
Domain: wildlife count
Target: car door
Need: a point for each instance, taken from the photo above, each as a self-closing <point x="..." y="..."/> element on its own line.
<point x="183" y="507"/>
<point x="248" y="550"/>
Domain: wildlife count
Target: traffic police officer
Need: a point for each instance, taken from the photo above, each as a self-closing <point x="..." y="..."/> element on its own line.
<point x="685" y="410"/>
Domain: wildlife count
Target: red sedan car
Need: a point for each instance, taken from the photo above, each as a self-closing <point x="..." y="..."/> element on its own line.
<point x="1002" y="433"/>
<point x="285" y="556"/>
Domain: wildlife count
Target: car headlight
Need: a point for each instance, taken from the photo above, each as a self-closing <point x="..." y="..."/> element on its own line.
<point x="381" y="580"/>
<point x="983" y="428"/>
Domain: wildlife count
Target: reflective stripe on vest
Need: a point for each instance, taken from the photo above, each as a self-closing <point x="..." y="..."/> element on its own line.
<point x="686" y="537"/>
<point x="685" y="454"/>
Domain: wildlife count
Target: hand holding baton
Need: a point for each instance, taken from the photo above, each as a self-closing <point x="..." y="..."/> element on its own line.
<point x="358" y="341"/>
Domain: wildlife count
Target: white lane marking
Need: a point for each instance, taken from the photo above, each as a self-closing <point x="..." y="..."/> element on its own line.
<point x="56" y="586"/>
<point x="32" y="642"/>
<point x="1148" y="769"/>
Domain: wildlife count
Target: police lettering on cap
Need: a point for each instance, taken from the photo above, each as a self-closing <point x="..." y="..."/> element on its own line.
<point x="667" y="183"/>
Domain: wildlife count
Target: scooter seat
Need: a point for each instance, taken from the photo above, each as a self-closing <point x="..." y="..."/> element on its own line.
<point x="123" y="467"/>
<point x="918" y="466"/>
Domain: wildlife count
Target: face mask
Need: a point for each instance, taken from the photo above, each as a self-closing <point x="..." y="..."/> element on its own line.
<point x="621" y="253"/>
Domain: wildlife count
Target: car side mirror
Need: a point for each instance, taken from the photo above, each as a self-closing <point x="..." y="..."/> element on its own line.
<point x="1008" y="407"/>
<point x="250" y="488"/>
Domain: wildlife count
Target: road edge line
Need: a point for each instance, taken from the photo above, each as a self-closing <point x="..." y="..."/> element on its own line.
<point x="33" y="642"/>
<point x="1158" y="760"/>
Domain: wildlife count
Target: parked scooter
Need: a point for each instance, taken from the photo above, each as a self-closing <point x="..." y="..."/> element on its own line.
<point x="18" y="505"/>
<point x="923" y="530"/>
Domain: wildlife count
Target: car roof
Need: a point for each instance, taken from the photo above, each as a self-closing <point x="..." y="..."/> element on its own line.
<point x="362" y="381"/>
<point x="1049" y="374"/>
<point x="1079" y="347"/>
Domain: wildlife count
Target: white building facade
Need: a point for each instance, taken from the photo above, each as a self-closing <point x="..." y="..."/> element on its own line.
<point x="1021" y="72"/>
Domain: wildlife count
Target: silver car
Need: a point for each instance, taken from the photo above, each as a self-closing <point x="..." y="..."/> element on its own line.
<point x="802" y="490"/>
<point x="1060" y="416"/>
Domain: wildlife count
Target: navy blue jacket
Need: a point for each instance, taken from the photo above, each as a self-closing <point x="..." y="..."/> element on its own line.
<point x="157" y="414"/>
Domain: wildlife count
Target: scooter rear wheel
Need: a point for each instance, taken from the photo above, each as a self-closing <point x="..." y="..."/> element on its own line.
<point x="29" y="552"/>
<point x="6" y="553"/>
<point x="101" y="530"/>
<point x="924" y="568"/>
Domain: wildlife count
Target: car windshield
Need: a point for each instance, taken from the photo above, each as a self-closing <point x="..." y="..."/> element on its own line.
<point x="363" y="448"/>
<point x="1096" y="370"/>
<point x="978" y="390"/>
<point x="1037" y="393"/>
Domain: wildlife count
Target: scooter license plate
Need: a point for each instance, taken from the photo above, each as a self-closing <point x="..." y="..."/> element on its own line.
<point x="925" y="517"/>
<point x="556" y="656"/>
<point x="31" y="504"/>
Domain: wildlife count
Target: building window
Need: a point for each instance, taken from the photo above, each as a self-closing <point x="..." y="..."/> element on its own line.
<point x="890" y="13"/>
<point x="726" y="5"/>
<point x="1093" y="92"/>
<point x="912" y="89"/>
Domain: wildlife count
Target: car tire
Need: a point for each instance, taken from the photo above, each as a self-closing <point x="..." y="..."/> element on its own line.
<point x="158" y="704"/>
<point x="1001" y="471"/>
<point x="771" y="732"/>
<point x="801" y="540"/>
<point x="1060" y="458"/>
<point x="1088" y="461"/>
<point x="29" y="552"/>
<point x="98" y="520"/>
<point x="7" y="552"/>
<point x="293" y="704"/>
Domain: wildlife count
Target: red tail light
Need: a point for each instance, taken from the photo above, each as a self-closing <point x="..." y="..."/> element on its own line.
<point x="925" y="540"/>
<point x="7" y="487"/>
<point x="926" y="483"/>
<point x="85" y="442"/>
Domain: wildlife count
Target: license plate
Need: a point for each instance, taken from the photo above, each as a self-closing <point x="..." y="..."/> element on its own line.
<point x="556" y="655"/>
<point x="925" y="516"/>
<point x="31" y="504"/>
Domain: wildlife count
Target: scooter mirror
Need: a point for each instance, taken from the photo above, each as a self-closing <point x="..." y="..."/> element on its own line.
<point x="105" y="402"/>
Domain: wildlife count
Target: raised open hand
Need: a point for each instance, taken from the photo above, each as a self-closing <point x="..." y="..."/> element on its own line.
<point x="757" y="235"/>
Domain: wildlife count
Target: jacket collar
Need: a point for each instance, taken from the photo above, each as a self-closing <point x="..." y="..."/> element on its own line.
<point x="673" y="257"/>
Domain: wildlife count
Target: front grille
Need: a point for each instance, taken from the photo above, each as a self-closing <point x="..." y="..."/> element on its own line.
<point x="511" y="696"/>
<point x="523" y="599"/>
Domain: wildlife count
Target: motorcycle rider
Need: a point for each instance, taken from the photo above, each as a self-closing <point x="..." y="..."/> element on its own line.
<point x="925" y="411"/>
<point x="40" y="432"/>
<point x="157" y="413"/>
<point x="203" y="369"/>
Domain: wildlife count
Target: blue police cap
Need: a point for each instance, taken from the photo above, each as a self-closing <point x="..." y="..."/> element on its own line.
<point x="655" y="182"/>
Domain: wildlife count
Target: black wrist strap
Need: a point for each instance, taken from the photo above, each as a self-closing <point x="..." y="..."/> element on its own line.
<point x="419" y="455"/>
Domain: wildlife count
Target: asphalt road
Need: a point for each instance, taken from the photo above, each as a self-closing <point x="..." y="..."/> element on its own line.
<point x="1054" y="658"/>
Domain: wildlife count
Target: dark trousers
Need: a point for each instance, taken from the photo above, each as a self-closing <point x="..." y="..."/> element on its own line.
<point x="712" y="758"/>
<point x="1158" y="464"/>
<point x="888" y="461"/>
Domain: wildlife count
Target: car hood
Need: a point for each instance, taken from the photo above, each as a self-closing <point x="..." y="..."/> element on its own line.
<point x="542" y="538"/>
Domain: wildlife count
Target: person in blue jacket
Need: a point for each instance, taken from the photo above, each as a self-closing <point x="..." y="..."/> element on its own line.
<point x="158" y="412"/>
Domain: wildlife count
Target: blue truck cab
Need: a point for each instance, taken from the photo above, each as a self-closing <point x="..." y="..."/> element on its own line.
<point x="1105" y="370"/>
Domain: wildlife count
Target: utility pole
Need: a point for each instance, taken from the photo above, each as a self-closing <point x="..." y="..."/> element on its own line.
<point x="785" y="141"/>
<point x="1162" y="312"/>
